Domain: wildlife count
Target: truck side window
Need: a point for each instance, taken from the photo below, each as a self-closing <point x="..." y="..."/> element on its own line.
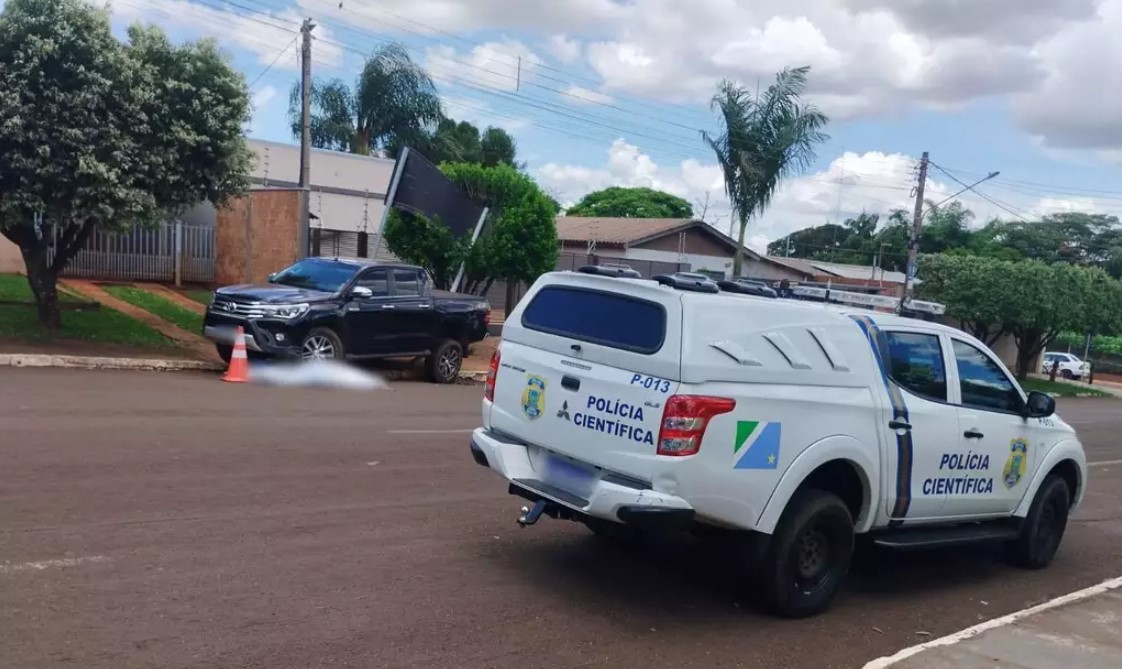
<point x="377" y="280"/>
<point x="406" y="283"/>
<point x="916" y="363"/>
<point x="984" y="384"/>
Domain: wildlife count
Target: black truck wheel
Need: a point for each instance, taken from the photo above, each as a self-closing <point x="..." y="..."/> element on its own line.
<point x="808" y="556"/>
<point x="321" y="344"/>
<point x="443" y="364"/>
<point x="1044" y="526"/>
<point x="225" y="351"/>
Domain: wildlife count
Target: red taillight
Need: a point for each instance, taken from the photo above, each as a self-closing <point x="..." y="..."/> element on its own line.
<point x="684" y="421"/>
<point x="487" y="318"/>
<point x="492" y="375"/>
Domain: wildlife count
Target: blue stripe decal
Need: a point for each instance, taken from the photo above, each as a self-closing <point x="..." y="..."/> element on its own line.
<point x="904" y="444"/>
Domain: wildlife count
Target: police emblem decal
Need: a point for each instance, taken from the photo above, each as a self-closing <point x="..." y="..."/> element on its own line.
<point x="1017" y="463"/>
<point x="533" y="397"/>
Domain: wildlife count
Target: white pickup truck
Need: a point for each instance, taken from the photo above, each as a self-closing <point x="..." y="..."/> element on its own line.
<point x="631" y="404"/>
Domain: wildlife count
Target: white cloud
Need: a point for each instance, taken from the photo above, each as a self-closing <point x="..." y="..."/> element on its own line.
<point x="264" y="37"/>
<point x="470" y="15"/>
<point x="1058" y="61"/>
<point x="1079" y="103"/>
<point x="480" y="113"/>
<point x="497" y="65"/>
<point x="1020" y="20"/>
<point x="263" y="97"/>
<point x="584" y="96"/>
<point x="564" y="49"/>
<point x="872" y="182"/>
<point x="259" y="102"/>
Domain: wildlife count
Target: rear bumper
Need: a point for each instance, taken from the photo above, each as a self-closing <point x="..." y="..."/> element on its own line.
<point x="612" y="497"/>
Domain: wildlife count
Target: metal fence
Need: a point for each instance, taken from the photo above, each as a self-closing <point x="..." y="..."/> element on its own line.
<point x="175" y="252"/>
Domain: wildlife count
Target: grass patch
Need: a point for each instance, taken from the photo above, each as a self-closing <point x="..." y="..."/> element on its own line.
<point x="1062" y="389"/>
<point x="198" y="295"/>
<point x="158" y="306"/>
<point x="14" y="287"/>
<point x="102" y="325"/>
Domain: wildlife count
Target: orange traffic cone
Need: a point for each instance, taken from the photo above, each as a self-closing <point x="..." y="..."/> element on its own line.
<point x="238" y="371"/>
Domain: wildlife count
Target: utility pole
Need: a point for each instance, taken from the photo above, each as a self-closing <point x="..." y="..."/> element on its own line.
<point x="306" y="103"/>
<point x="913" y="240"/>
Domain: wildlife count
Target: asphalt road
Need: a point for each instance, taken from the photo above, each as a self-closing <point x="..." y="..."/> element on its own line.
<point x="170" y="520"/>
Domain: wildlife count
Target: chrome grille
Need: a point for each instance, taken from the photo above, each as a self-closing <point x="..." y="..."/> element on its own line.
<point x="238" y="309"/>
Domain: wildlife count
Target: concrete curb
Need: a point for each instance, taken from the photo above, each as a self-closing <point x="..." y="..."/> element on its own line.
<point x="84" y="362"/>
<point x="165" y="365"/>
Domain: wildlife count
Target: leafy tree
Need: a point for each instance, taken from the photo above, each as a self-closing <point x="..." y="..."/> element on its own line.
<point x="461" y="142"/>
<point x="518" y="243"/>
<point x="498" y="148"/>
<point x="764" y="139"/>
<point x="96" y="134"/>
<point x="393" y="100"/>
<point x="631" y="203"/>
<point x="1031" y="300"/>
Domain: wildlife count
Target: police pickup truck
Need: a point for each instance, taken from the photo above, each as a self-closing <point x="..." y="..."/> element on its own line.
<point x="632" y="405"/>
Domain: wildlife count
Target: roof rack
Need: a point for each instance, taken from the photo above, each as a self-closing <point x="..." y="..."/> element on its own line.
<point x="616" y="271"/>
<point x="746" y="287"/>
<point x="698" y="283"/>
<point x="867" y="300"/>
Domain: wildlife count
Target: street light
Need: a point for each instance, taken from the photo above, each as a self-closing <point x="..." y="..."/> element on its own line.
<point x="945" y="200"/>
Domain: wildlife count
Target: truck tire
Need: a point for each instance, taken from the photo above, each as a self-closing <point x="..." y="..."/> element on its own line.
<point x="225" y="352"/>
<point x="808" y="556"/>
<point x="443" y="364"/>
<point x="321" y="344"/>
<point x="1044" y="526"/>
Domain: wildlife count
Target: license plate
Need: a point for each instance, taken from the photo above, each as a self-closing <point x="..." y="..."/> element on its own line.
<point x="568" y="475"/>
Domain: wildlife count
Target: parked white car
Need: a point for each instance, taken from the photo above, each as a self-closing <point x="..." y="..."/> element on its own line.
<point x="1071" y="367"/>
<point x="787" y="426"/>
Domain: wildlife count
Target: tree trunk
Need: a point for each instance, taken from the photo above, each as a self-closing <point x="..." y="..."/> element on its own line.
<point x="511" y="295"/>
<point x="1029" y="345"/>
<point x="738" y="258"/>
<point x="43" y="282"/>
<point x="42" y="276"/>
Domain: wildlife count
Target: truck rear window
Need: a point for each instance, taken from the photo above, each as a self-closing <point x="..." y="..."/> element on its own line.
<point x="608" y="319"/>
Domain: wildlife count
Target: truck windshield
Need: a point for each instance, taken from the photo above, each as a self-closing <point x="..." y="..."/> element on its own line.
<point x="316" y="274"/>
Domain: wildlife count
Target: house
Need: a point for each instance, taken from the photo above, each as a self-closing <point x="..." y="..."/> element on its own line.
<point x="677" y="243"/>
<point x="886" y="282"/>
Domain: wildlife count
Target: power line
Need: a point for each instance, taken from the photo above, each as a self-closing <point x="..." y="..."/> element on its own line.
<point x="275" y="60"/>
<point x="469" y="42"/>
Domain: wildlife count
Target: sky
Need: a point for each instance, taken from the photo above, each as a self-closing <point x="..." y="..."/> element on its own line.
<point x="616" y="92"/>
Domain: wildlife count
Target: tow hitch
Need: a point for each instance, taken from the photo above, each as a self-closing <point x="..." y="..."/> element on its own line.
<point x="530" y="516"/>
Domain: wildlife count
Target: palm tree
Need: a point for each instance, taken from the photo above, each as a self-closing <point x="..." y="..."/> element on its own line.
<point x="393" y="102"/>
<point x="766" y="138"/>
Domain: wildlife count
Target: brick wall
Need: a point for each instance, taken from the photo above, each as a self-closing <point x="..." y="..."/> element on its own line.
<point x="256" y="235"/>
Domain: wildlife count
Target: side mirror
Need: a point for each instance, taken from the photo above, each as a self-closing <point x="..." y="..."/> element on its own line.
<point x="1039" y="405"/>
<point x="272" y="277"/>
<point x="362" y="292"/>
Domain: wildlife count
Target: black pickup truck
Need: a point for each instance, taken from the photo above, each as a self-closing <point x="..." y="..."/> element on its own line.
<point x="350" y="309"/>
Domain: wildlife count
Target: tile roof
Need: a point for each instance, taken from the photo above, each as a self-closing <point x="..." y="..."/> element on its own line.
<point x="841" y="270"/>
<point x="861" y="272"/>
<point x="621" y="231"/>
<point x="797" y="264"/>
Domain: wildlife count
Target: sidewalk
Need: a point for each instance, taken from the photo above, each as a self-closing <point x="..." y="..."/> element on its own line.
<point x="1078" y="631"/>
<point x="1108" y="387"/>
